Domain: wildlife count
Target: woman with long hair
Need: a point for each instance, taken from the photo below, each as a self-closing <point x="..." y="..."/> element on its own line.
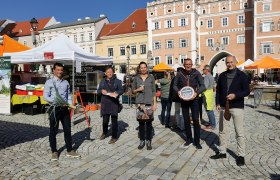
<point x="110" y="89"/>
<point x="144" y="87"/>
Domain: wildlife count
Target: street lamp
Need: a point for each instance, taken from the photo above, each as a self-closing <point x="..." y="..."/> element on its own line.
<point x="128" y="58"/>
<point x="149" y="59"/>
<point x="34" y="26"/>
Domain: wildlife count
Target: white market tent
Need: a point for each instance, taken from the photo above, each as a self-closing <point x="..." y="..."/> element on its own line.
<point x="246" y="63"/>
<point x="63" y="50"/>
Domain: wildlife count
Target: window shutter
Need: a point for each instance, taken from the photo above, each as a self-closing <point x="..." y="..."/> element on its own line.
<point x="260" y="27"/>
<point x="172" y="23"/>
<point x="165" y="24"/>
<point x="153" y="25"/>
<point x="261" y="50"/>
<point x="187" y="21"/>
<point x="272" y="26"/>
<point x="179" y="22"/>
<point x="159" y="25"/>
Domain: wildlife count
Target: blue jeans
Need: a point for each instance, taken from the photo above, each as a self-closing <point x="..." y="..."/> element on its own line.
<point x="211" y="117"/>
<point x="194" y="106"/>
<point x="165" y="106"/>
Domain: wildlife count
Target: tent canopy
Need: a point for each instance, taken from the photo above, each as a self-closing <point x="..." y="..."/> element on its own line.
<point x="61" y="49"/>
<point x="10" y="45"/>
<point x="246" y="63"/>
<point x="161" y="67"/>
<point x="266" y="63"/>
<point x="240" y="62"/>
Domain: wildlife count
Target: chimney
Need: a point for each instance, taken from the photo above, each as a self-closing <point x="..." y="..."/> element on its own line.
<point x="87" y="18"/>
<point x="102" y="15"/>
<point x="79" y="19"/>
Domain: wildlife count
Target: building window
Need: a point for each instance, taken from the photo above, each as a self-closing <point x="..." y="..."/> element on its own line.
<point x="91" y="49"/>
<point x="169" y="60"/>
<point x="122" y="51"/>
<point x="210" y="23"/>
<point x="156" y="60"/>
<point x="182" y="58"/>
<point x="201" y="23"/>
<point x="183" y="22"/>
<point x="266" y="48"/>
<point x="168" y="24"/>
<point x="225" y="40"/>
<point x="24" y="43"/>
<point x="143" y="49"/>
<point x="225" y="21"/>
<point x="156" y="25"/>
<point x="90" y="36"/>
<point x="210" y="42"/>
<point x="110" y="52"/>
<point x="50" y="38"/>
<point x="169" y="44"/>
<point x="241" y="19"/>
<point x="183" y="43"/>
<point x="44" y="41"/>
<point x="157" y="45"/>
<point x="82" y="38"/>
<point x="241" y="39"/>
<point x="203" y="11"/>
<point x="245" y="5"/>
<point x="75" y="38"/>
<point x="266" y="7"/>
<point x="133" y="50"/>
<point x="267" y="26"/>
<point x="202" y="58"/>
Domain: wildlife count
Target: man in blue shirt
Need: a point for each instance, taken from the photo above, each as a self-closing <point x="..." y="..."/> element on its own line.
<point x="58" y="112"/>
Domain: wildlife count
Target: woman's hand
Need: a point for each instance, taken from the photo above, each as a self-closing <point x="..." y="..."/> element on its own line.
<point x="141" y="88"/>
<point x="104" y="92"/>
<point x="155" y="107"/>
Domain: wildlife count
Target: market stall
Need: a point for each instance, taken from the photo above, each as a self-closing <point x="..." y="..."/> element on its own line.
<point x="61" y="49"/>
<point x="162" y="67"/>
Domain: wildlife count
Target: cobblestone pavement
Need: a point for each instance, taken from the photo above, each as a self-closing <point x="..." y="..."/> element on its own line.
<point x="25" y="152"/>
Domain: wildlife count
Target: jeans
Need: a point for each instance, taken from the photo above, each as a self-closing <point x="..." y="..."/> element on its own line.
<point x="63" y="115"/>
<point x="179" y="122"/>
<point x="106" y="119"/>
<point x="194" y="106"/>
<point x="211" y="117"/>
<point x="145" y="130"/>
<point x="165" y="106"/>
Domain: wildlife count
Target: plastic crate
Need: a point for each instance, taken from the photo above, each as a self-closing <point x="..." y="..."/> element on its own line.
<point x="38" y="92"/>
<point x="21" y="92"/>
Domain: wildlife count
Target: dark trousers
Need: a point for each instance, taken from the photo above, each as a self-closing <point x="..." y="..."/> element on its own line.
<point x="194" y="106"/>
<point x="165" y="106"/>
<point x="63" y="115"/>
<point x="145" y="130"/>
<point x="201" y="101"/>
<point x="106" y="119"/>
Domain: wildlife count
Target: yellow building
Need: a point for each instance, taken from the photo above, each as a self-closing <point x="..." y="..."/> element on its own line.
<point x="126" y="42"/>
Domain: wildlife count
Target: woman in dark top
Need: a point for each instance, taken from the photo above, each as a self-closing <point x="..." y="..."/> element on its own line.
<point x="144" y="87"/>
<point x="110" y="88"/>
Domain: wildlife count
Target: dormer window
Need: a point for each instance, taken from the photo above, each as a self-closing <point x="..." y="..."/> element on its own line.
<point x="133" y="24"/>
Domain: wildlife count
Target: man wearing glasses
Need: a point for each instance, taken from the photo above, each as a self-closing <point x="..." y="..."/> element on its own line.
<point x="190" y="77"/>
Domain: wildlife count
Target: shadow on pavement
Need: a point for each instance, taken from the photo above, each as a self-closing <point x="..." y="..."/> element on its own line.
<point x="210" y="138"/>
<point x="121" y="128"/>
<point x="270" y="114"/>
<point x="233" y="154"/>
<point x="12" y="133"/>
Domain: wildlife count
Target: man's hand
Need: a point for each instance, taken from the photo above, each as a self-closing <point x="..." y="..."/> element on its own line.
<point x="218" y="107"/>
<point x="231" y="96"/>
<point x="194" y="96"/>
<point x="114" y="94"/>
<point x="104" y="92"/>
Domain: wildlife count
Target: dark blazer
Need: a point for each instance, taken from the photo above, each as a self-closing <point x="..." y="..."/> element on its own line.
<point x="239" y="87"/>
<point x="109" y="105"/>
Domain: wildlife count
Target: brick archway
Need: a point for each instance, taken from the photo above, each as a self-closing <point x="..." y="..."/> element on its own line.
<point x="216" y="58"/>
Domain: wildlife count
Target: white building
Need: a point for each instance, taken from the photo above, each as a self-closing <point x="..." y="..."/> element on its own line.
<point x="83" y="32"/>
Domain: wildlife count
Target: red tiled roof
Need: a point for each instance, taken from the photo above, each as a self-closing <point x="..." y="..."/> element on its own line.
<point x="139" y="17"/>
<point x="107" y="28"/>
<point x="23" y="28"/>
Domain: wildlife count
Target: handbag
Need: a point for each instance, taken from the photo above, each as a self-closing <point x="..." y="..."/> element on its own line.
<point x="144" y="112"/>
<point x="227" y="114"/>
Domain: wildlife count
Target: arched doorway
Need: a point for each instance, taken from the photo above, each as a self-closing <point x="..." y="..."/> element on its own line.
<point x="217" y="63"/>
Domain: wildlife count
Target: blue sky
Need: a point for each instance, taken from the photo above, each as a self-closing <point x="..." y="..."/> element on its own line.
<point x="69" y="10"/>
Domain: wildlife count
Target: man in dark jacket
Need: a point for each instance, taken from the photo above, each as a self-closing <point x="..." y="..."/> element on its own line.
<point x="232" y="86"/>
<point x="190" y="77"/>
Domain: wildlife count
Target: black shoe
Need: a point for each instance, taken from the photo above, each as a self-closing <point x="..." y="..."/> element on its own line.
<point x="198" y="146"/>
<point x="219" y="155"/>
<point x="167" y="126"/>
<point x="141" y="145"/>
<point x="188" y="143"/>
<point x="240" y="161"/>
<point x="149" y="145"/>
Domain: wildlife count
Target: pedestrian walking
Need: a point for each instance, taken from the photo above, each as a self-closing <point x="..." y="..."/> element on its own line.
<point x="190" y="78"/>
<point x="144" y="87"/>
<point x="231" y="89"/>
<point x="53" y="88"/>
<point x="110" y="89"/>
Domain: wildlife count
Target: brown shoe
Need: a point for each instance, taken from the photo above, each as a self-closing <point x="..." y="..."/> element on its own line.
<point x="54" y="156"/>
<point x="112" y="141"/>
<point x="103" y="136"/>
<point x="73" y="154"/>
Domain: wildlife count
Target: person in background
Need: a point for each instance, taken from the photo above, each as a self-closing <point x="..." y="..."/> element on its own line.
<point x="208" y="97"/>
<point x="166" y="102"/>
<point x="144" y="87"/>
<point x="59" y="113"/>
<point x="232" y="86"/>
<point x="110" y="89"/>
<point x="196" y="82"/>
